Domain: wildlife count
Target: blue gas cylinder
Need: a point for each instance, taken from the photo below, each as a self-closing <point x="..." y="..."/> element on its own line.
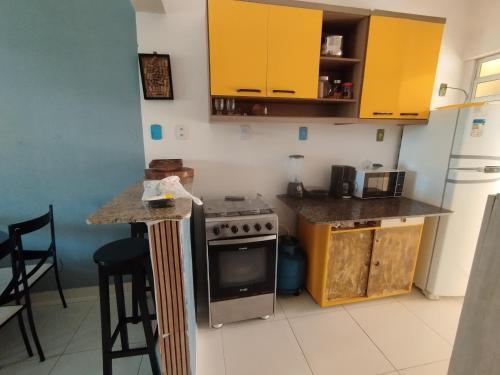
<point x="291" y="265"/>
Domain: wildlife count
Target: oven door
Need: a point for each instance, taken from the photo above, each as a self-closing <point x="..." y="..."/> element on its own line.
<point x="242" y="267"/>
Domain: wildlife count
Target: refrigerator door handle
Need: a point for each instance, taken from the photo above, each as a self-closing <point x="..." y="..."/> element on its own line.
<point x="487" y="169"/>
<point x="491" y="169"/>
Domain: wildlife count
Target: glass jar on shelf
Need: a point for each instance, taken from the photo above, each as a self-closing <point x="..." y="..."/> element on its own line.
<point x="347" y="90"/>
<point x="337" y="89"/>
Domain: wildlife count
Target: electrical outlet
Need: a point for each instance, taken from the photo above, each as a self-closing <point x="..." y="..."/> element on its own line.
<point x="181" y="132"/>
<point x="380" y="135"/>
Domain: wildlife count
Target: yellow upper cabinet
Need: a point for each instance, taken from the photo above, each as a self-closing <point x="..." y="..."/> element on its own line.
<point x="419" y="68"/>
<point x="401" y="60"/>
<point x="294" y="47"/>
<point x="238" y="47"/>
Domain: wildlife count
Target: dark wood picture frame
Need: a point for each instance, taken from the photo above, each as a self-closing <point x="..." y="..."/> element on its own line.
<point x="156" y="76"/>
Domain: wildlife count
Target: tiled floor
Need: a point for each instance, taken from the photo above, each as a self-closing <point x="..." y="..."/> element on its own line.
<point x="406" y="335"/>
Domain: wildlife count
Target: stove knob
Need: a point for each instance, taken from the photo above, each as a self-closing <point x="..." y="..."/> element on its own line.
<point x="269" y="226"/>
<point x="257" y="227"/>
<point x="216" y="230"/>
<point x="246" y="227"/>
<point x="234" y="229"/>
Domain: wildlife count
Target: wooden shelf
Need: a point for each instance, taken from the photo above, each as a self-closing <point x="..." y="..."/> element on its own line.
<point x="234" y="119"/>
<point x="264" y="99"/>
<point x="333" y="62"/>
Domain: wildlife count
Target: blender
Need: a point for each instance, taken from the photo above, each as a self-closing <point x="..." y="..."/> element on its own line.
<point x="295" y="187"/>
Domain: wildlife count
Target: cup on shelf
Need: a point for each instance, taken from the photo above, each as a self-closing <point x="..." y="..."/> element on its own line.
<point x="230" y="105"/>
<point x="219" y="105"/>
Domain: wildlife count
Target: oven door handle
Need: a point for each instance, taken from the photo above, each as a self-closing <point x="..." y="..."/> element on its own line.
<point x="242" y="240"/>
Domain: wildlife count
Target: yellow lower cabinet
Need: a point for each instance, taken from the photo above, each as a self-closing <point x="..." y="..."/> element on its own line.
<point x="293" y="52"/>
<point x="353" y="265"/>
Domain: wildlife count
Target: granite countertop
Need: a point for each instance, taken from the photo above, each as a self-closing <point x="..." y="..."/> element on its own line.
<point x="127" y="207"/>
<point x="327" y="210"/>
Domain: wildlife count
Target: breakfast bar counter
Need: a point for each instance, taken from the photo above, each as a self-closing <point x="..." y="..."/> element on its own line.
<point x="169" y="236"/>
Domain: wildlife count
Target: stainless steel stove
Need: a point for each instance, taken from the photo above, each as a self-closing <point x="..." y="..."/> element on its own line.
<point x="241" y="247"/>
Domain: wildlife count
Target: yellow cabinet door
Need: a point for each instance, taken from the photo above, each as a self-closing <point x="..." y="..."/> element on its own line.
<point x="419" y="68"/>
<point x="238" y="47"/>
<point x="383" y="67"/>
<point x="401" y="62"/>
<point x="293" y="52"/>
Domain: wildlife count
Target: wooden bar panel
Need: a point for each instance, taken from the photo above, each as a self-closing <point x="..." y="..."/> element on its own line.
<point x="166" y="257"/>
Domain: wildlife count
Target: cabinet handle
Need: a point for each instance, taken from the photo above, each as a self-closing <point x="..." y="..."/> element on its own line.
<point x="248" y="90"/>
<point x="408" y="114"/>
<point x="376" y="264"/>
<point x="382" y="113"/>
<point x="284" y="91"/>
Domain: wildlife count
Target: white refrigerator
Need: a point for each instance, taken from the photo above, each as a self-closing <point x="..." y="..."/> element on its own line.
<point x="454" y="163"/>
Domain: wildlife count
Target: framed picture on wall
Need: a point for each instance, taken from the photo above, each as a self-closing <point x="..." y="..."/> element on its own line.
<point x="156" y="76"/>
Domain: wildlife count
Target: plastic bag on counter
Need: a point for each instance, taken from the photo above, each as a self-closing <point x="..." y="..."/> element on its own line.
<point x="168" y="187"/>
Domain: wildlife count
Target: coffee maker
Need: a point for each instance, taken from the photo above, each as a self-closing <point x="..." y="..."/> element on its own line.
<point x="342" y="181"/>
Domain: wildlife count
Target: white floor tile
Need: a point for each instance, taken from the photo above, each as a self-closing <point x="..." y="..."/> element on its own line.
<point x="374" y="302"/>
<point x="441" y="315"/>
<point x="404" y="339"/>
<point x="438" y="368"/>
<point x="145" y="368"/>
<point x="268" y="348"/>
<point x="89" y="363"/>
<point x="210" y="353"/>
<point x="30" y="367"/>
<point x="294" y="306"/>
<point x="334" y="344"/>
<point x="55" y="327"/>
<point x="88" y="336"/>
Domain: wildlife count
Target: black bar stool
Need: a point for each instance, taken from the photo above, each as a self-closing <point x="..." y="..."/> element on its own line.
<point x="128" y="256"/>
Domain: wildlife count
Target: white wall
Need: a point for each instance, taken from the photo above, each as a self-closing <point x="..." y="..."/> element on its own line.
<point x="226" y="164"/>
<point x="484" y="35"/>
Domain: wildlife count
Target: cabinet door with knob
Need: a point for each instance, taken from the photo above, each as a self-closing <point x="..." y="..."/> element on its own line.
<point x="238" y="47"/>
<point x="401" y="61"/>
<point x="294" y="51"/>
<point x="393" y="260"/>
<point x="348" y="264"/>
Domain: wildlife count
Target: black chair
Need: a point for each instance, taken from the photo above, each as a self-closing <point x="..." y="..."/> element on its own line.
<point x="128" y="256"/>
<point x="43" y="265"/>
<point x="14" y="295"/>
<point x="140" y="230"/>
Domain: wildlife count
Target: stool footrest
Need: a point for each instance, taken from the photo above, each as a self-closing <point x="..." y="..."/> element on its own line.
<point x="129" y="352"/>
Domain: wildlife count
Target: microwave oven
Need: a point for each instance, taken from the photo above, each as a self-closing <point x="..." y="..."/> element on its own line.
<point x="385" y="183"/>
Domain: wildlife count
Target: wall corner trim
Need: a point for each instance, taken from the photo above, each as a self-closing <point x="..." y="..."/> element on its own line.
<point x="148" y="6"/>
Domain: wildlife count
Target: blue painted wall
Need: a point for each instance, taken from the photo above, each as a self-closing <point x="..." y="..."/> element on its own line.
<point x="70" y="126"/>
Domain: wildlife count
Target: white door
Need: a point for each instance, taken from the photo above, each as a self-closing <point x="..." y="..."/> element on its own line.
<point x="466" y="194"/>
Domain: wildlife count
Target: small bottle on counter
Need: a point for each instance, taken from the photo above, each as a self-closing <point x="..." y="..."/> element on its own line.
<point x="347" y="90"/>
